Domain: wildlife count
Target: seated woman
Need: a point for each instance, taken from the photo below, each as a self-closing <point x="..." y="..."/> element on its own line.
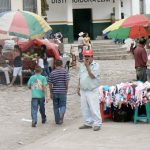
<point x="4" y="67"/>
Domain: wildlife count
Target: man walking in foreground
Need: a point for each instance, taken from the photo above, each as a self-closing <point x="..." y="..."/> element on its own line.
<point x="140" y="57"/>
<point x="58" y="81"/>
<point x="89" y="81"/>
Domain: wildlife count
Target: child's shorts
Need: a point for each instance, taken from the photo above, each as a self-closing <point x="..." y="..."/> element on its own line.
<point x="17" y="71"/>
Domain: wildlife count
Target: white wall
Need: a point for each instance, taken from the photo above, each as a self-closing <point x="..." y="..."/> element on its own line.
<point x="147" y="6"/>
<point x="39" y="7"/>
<point x="126" y="9"/>
<point x="60" y="13"/>
<point x="16" y="5"/>
<point x="100" y="11"/>
<point x="57" y="13"/>
<point x="69" y="13"/>
<point x="135" y="7"/>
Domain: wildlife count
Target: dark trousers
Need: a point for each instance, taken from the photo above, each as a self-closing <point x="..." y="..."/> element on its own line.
<point x="141" y="74"/>
<point x="46" y="71"/>
<point x="80" y="50"/>
<point x="148" y="74"/>
<point x="59" y="106"/>
<point x="35" y="104"/>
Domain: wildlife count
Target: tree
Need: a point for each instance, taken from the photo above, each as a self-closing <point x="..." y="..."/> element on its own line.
<point x="44" y="7"/>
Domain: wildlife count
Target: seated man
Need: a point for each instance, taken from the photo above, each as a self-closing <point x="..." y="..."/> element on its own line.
<point x="4" y="67"/>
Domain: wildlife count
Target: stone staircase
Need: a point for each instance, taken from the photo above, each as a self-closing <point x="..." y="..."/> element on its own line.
<point x="107" y="50"/>
<point x="104" y="50"/>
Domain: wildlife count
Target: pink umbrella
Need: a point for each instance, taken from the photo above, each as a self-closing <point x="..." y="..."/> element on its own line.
<point x="23" y="24"/>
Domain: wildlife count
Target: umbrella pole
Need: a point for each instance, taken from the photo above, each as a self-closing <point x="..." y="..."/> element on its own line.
<point x="17" y="40"/>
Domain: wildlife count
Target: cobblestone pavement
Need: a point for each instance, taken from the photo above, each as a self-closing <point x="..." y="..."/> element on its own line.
<point x="15" y="120"/>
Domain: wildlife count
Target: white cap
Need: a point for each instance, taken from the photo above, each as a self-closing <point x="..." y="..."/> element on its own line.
<point x="81" y="34"/>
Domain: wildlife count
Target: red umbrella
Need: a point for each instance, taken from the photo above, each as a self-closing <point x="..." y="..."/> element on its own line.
<point x="137" y="20"/>
<point x="51" y="48"/>
<point x="138" y="31"/>
<point x="25" y="45"/>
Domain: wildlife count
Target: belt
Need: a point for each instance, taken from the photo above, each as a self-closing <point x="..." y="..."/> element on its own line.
<point x="140" y="67"/>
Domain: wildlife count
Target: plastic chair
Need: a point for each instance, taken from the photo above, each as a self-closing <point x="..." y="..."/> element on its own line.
<point x="2" y="78"/>
<point x="142" y="117"/>
<point x="103" y="114"/>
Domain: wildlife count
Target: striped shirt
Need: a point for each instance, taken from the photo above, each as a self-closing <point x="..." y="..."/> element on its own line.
<point x="59" y="79"/>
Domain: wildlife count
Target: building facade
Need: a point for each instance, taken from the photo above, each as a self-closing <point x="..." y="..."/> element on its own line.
<point x="28" y="5"/>
<point x="73" y="16"/>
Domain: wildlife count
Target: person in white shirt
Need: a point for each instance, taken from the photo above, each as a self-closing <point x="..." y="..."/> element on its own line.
<point x="40" y="62"/>
<point x="80" y="46"/>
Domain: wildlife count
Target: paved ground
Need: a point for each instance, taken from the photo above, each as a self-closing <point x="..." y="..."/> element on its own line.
<point x="15" y="121"/>
<point x="114" y="136"/>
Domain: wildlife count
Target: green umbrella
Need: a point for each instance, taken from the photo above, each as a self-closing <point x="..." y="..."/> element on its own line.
<point x="129" y="32"/>
<point x="121" y="33"/>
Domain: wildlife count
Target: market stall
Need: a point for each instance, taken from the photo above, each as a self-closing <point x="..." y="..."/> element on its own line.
<point x="125" y="99"/>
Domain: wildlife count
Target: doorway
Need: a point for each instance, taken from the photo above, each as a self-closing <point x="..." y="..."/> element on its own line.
<point x="82" y="22"/>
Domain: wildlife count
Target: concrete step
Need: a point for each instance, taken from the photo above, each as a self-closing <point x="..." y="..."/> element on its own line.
<point x="114" y="57"/>
<point x="102" y="41"/>
<point x="100" y="53"/>
<point x="109" y="49"/>
<point x="105" y="50"/>
<point x="106" y="46"/>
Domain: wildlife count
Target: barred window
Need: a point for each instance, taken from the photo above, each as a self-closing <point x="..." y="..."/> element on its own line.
<point x="30" y="5"/>
<point x="5" y="5"/>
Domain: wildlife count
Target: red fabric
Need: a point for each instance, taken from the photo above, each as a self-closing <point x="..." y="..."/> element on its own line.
<point x="138" y="31"/>
<point x="25" y="45"/>
<point x="52" y="51"/>
<point x="128" y="97"/>
<point x="136" y="20"/>
<point x="51" y="48"/>
<point x="29" y="64"/>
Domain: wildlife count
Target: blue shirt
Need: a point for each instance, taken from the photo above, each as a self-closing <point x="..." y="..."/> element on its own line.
<point x="18" y="61"/>
<point x="86" y="82"/>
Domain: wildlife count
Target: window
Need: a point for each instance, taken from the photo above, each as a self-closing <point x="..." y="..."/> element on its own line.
<point x="141" y="6"/>
<point x="30" y="5"/>
<point x="5" y="5"/>
<point x="121" y="3"/>
<point x="122" y="15"/>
